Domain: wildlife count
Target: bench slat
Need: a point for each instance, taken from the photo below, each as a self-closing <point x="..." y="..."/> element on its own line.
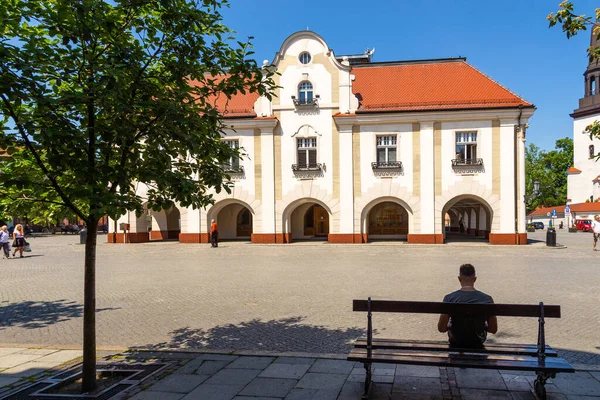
<point x="484" y="361"/>
<point x="516" y="349"/>
<point x="426" y="307"/>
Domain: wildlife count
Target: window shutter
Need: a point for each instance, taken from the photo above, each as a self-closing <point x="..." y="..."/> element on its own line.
<point x="312" y="157"/>
<point x="301" y="157"/>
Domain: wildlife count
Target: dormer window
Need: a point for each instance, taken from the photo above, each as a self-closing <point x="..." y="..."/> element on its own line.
<point x="304" y="57"/>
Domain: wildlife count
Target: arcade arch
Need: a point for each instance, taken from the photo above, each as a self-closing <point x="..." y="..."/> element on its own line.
<point x="307" y="219"/>
<point x="466" y="218"/>
<point x="234" y="218"/>
<point x="386" y="219"/>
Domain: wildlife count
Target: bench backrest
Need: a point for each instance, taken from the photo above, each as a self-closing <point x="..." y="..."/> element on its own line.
<point x="426" y="307"/>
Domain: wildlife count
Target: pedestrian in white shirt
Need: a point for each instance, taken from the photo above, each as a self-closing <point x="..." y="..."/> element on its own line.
<point x="4" y="236"/>
<point x="596" y="229"/>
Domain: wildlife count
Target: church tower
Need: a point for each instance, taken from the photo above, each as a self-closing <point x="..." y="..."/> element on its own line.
<point x="584" y="175"/>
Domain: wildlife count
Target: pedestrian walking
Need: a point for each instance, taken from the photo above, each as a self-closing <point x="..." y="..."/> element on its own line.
<point x="19" y="240"/>
<point x="214" y="234"/>
<point x="4" y="236"/>
<point x="596" y="229"/>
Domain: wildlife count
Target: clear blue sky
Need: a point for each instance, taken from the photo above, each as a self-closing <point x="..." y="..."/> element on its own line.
<point x="508" y="40"/>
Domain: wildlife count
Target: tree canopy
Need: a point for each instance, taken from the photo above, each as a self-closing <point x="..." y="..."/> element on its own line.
<point x="95" y="98"/>
<point x="549" y="169"/>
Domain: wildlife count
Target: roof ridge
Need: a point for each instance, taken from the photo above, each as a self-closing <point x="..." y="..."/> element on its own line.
<point x="400" y="63"/>
<point x="498" y="83"/>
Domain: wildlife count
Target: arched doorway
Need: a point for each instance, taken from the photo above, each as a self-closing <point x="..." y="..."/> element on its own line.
<point x="466" y="218"/>
<point x="387" y="221"/>
<point x="164" y="224"/>
<point x="235" y="222"/>
<point x="244" y="224"/>
<point x="310" y="221"/>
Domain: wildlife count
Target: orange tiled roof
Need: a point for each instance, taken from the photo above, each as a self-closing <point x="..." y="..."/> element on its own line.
<point x="573" y="170"/>
<point x="577" y="207"/>
<point x="545" y="210"/>
<point x="239" y="105"/>
<point x="585" y="207"/>
<point x="596" y="179"/>
<point x="443" y="85"/>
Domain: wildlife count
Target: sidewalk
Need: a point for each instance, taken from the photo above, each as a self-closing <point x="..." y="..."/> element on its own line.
<point x="246" y="375"/>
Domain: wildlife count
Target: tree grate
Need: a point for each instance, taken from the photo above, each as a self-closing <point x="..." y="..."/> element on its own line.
<point x="137" y="373"/>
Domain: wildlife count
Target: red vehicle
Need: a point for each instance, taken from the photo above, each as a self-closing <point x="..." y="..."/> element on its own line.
<point x="583" y="224"/>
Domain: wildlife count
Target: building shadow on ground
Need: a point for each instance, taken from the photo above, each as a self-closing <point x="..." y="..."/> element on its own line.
<point x="281" y="335"/>
<point x="38" y="314"/>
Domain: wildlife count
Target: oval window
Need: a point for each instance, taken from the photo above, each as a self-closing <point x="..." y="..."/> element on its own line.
<point x="305" y="58"/>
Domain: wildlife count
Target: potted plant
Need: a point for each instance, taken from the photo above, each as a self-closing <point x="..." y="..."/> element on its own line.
<point x="530" y="228"/>
<point x="573" y="229"/>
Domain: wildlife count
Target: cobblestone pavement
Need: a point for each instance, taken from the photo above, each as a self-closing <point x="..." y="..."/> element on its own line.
<point x="289" y="297"/>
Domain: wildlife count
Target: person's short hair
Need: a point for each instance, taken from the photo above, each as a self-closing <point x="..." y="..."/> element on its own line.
<point x="467" y="270"/>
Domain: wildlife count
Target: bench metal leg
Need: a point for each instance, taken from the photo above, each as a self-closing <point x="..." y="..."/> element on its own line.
<point x="540" y="382"/>
<point x="367" y="380"/>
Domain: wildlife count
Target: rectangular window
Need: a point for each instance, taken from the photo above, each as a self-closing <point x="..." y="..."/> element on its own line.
<point x="466" y="147"/>
<point x="386" y="149"/>
<point x="307" y="152"/>
<point x="234" y="162"/>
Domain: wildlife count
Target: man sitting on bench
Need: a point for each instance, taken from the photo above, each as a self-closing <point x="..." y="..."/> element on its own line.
<point x="467" y="331"/>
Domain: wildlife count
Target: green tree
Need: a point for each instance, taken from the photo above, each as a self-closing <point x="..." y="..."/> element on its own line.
<point x="96" y="95"/>
<point x="549" y="169"/>
<point x="572" y="23"/>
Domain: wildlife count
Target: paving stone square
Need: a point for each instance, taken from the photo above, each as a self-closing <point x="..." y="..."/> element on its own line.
<point x="418" y="370"/>
<point x="332" y="366"/>
<point x="274" y="306"/>
<point x="233" y="377"/>
<point x="274" y="301"/>
<point x="279" y="370"/>
<point x="251" y="362"/>
<point x="294" y="360"/>
<point x="214" y="392"/>
<point x="580" y="383"/>
<point x="470" y="378"/>
<point x="417" y="385"/>
<point x="179" y="383"/>
<point x="151" y="395"/>
<point x="269" y="387"/>
<point x="322" y="381"/>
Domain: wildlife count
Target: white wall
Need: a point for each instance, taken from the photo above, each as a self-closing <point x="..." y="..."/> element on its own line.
<point x="580" y="186"/>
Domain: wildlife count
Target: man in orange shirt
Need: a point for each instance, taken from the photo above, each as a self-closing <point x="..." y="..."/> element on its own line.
<point x="214" y="234"/>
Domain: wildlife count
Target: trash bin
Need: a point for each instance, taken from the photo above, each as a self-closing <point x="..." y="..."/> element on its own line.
<point x="82" y="235"/>
<point x="551" y="237"/>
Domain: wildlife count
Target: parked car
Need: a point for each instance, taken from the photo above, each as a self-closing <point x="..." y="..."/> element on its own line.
<point x="583" y="224"/>
<point x="538" y="225"/>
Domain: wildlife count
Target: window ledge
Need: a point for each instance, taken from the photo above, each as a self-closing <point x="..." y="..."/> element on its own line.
<point x="307" y="167"/>
<point x="233" y="170"/>
<point x="387" y="165"/>
<point x="306" y="103"/>
<point x="469" y="162"/>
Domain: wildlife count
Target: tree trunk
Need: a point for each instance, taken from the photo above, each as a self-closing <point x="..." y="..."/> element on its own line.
<point x="89" y="310"/>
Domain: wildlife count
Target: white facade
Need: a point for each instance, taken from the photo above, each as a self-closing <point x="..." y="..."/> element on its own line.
<point x="582" y="185"/>
<point x="311" y="167"/>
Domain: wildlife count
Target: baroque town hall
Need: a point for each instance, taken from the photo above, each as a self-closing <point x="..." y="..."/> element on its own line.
<point x="352" y="151"/>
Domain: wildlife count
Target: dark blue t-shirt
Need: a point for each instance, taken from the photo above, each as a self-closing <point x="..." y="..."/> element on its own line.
<point x="468" y="330"/>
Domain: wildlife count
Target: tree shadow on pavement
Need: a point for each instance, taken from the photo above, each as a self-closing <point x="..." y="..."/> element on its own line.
<point x="38" y="314"/>
<point x="282" y="335"/>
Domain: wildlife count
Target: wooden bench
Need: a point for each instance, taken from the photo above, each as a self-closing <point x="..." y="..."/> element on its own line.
<point x="538" y="358"/>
